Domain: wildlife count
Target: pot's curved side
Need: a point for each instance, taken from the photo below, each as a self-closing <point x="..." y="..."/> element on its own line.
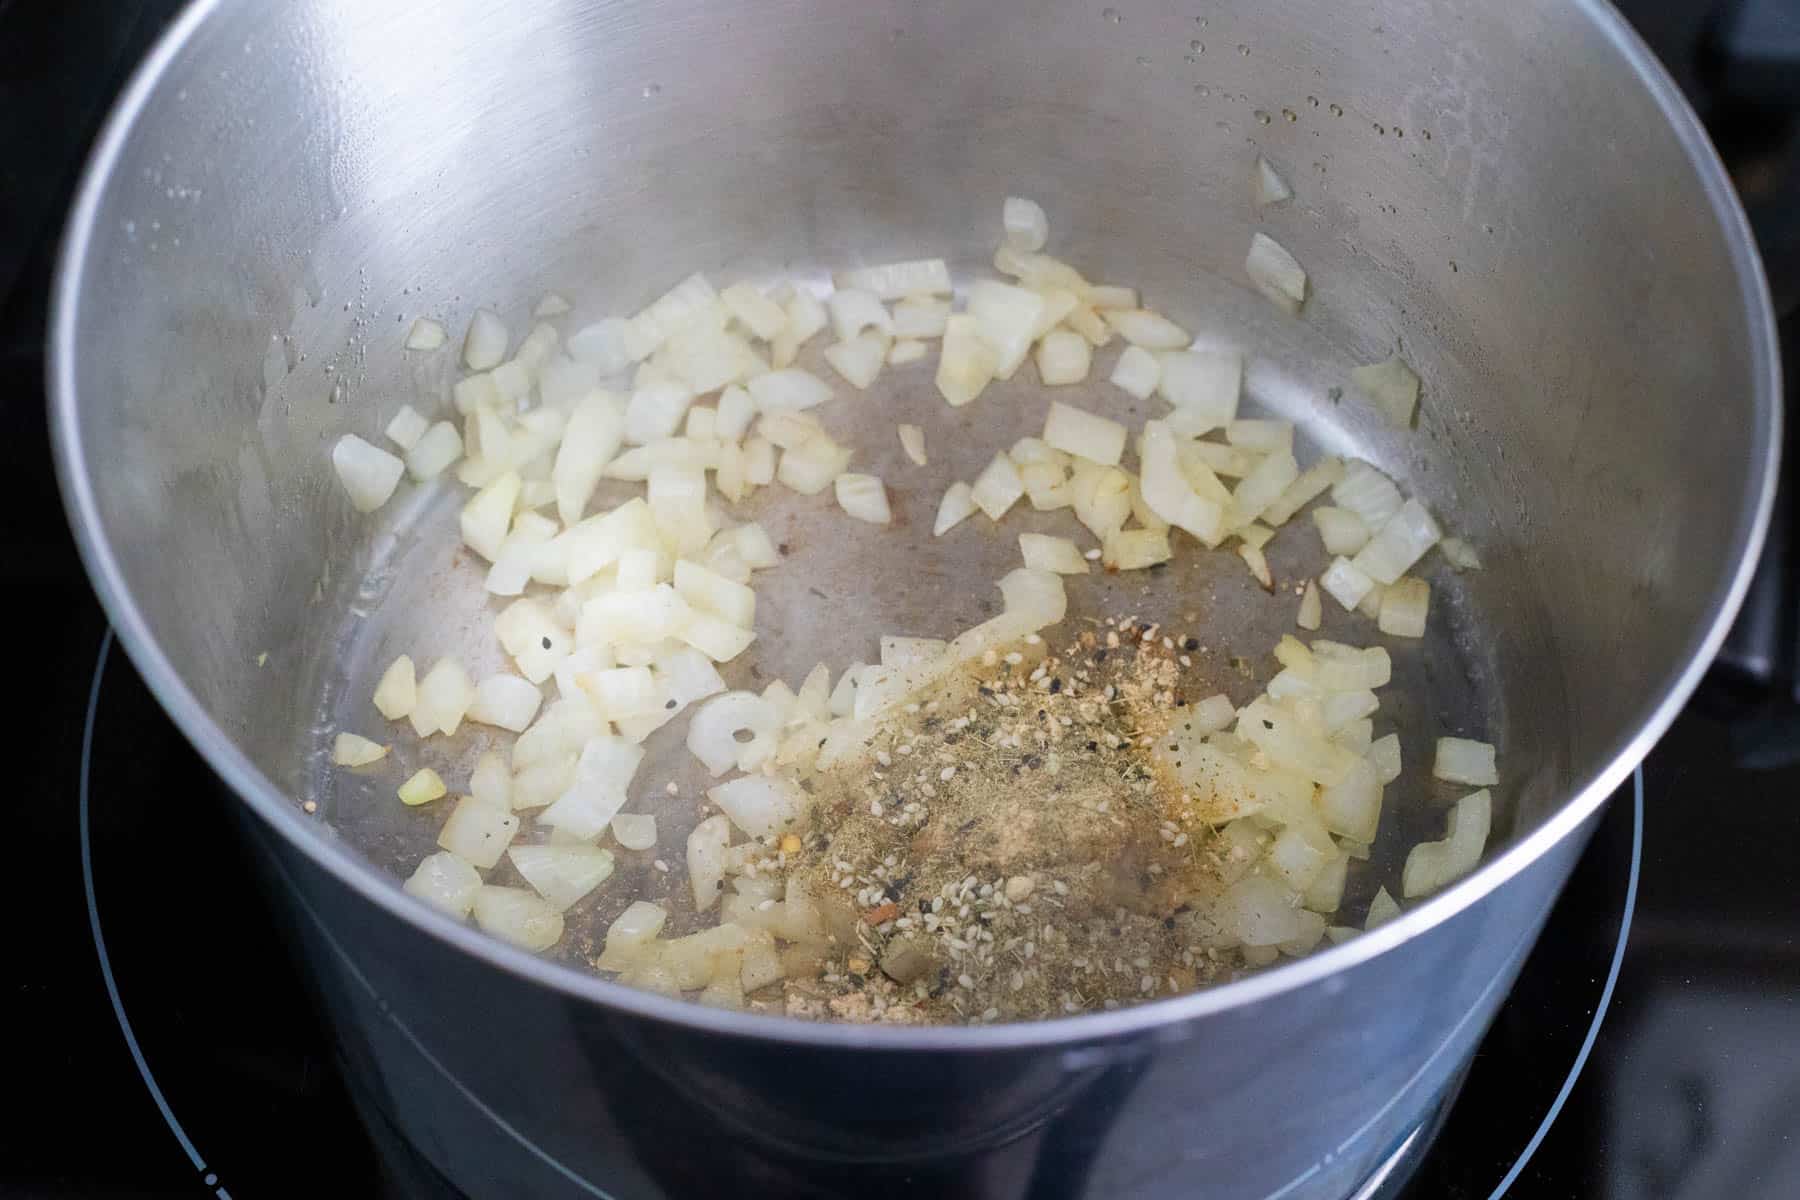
<point x="508" y="1088"/>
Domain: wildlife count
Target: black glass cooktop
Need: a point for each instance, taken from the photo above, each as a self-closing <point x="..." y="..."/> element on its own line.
<point x="166" y="1046"/>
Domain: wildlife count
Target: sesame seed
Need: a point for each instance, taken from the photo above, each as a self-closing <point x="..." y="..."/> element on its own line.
<point x="660" y="865"/>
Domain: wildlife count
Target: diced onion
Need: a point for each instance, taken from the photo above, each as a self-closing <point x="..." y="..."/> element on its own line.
<point x="484" y="346"/>
<point x="1138" y="372"/>
<point x="505" y="701"/>
<point x="759" y="314"/>
<point x="967" y="363"/>
<point x="635" y="831"/>
<point x="351" y="750"/>
<point x="891" y="281"/>
<point x="562" y="873"/>
<point x="912" y="440"/>
<point x="1310" y="608"/>
<point x="602" y="774"/>
<point x="1263" y="486"/>
<point x="1275" y="273"/>
<point x="1368" y="493"/>
<point x="630" y="933"/>
<point x="369" y="474"/>
<point x="998" y="487"/>
<point x="1346" y="584"/>
<point x="1135" y="549"/>
<point x="921" y="317"/>
<point x="1271" y="188"/>
<point x="1262" y="436"/>
<point x="859" y="359"/>
<point x="706" y="859"/>
<point x="810" y="467"/>
<point x="605" y="345"/>
<point x="485" y="519"/>
<point x="552" y="305"/>
<point x="1399" y="543"/>
<point x="1260" y="911"/>
<point x="905" y="351"/>
<point x="760" y="805"/>
<point x="1384" y="754"/>
<point x="1459" y="554"/>
<point x="1025" y="226"/>
<point x="712" y="734"/>
<point x="863" y="497"/>
<point x="1431" y="865"/>
<point x="655" y="411"/>
<point x="478" y="832"/>
<point x="446" y="882"/>
<point x="398" y="691"/>
<point x="1342" y="531"/>
<point x="854" y="310"/>
<point x="1150" y="330"/>
<point x="1352" y="807"/>
<point x="1311" y="484"/>
<point x="1211" y="715"/>
<point x="711" y="592"/>
<point x="1083" y="434"/>
<point x="1006" y="318"/>
<point x="1258" y="564"/>
<point x="1104" y="296"/>
<point x="1063" y="358"/>
<point x="1392" y="386"/>
<point x="1460" y="760"/>
<point x="958" y="503"/>
<point x="491" y="781"/>
<point x="406" y="428"/>
<point x="518" y="916"/>
<point x="444" y="696"/>
<point x="435" y="451"/>
<point x="1036" y="597"/>
<point x="1404" y="605"/>
<point x="1382" y="909"/>
<point x="1205" y="384"/>
<point x="1045" y="553"/>
<point x="425" y="334"/>
<point x="792" y="388"/>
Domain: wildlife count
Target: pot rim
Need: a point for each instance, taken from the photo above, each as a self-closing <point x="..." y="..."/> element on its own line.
<point x="275" y="808"/>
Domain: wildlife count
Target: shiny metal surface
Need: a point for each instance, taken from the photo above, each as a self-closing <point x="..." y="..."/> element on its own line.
<point x="1516" y="197"/>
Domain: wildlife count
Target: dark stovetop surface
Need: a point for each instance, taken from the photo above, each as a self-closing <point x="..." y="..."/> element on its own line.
<point x="1688" y="1092"/>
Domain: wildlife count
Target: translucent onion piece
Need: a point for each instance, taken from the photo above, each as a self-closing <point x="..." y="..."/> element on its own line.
<point x="1345" y="583"/>
<point x="630" y="933"/>
<point x="1138" y="371"/>
<point x="444" y="697"/>
<point x="1063" y="358"/>
<point x="350" y="750"/>
<point x="760" y="805"/>
<point x="1150" y="330"/>
<point x="958" y="503"/>
<point x="1025" y="226"/>
<point x="1392" y="386"/>
<point x="854" y="310"/>
<point x="478" y="833"/>
<point x="1073" y="431"/>
<point x="398" y="691"/>
<point x="706" y="859"/>
<point x="1310" y="608"/>
<point x="635" y="831"/>
<point x="446" y="882"/>
<point x="967" y="363"/>
<point x="1205" y="384"/>
<point x="1399" y="543"/>
<point x="912" y="441"/>
<point x="369" y="474"/>
<point x="891" y="281"/>
<point x="712" y="734"/>
<point x="425" y="334"/>
<point x="792" y="388"/>
<point x="998" y="487"/>
<point x="1045" y="553"/>
<point x="1431" y="865"/>
<point x="1271" y="188"/>
<point x="562" y="873"/>
<point x="1366" y="492"/>
<point x="505" y="701"/>
<point x="518" y="916"/>
<point x="406" y="428"/>
<point x="1275" y="273"/>
<point x="863" y="497"/>
<point x="1460" y="760"/>
<point x="484" y="346"/>
<point x="1404" y="605"/>
<point x="435" y="451"/>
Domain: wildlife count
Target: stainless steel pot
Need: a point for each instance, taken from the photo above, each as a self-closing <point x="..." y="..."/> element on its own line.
<point x="1514" y="193"/>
